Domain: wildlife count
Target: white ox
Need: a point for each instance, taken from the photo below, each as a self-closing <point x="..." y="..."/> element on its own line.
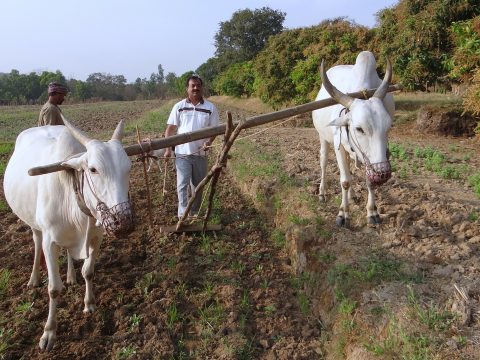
<point x="57" y="214"/>
<point x="358" y="129"/>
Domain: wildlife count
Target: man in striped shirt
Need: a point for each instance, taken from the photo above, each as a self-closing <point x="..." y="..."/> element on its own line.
<point x="190" y="114"/>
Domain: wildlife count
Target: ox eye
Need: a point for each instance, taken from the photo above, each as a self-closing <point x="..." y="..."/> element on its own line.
<point x="93" y="170"/>
<point x="360" y="130"/>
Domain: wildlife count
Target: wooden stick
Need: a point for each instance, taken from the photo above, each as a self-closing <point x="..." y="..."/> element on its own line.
<point x="228" y="132"/>
<point x="149" y="202"/>
<point x="217" y="167"/>
<point x="218" y="130"/>
<point x="164" y="191"/>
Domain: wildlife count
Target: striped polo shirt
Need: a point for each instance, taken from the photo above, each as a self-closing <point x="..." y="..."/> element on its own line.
<point x="187" y="118"/>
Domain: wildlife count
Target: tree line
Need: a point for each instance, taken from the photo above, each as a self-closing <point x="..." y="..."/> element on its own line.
<point x="16" y="88"/>
<point x="434" y="45"/>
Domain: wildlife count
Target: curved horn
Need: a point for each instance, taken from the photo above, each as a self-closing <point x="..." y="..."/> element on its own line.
<point x="336" y="94"/>
<point x="77" y="134"/>
<point x="382" y="89"/>
<point x="118" y="133"/>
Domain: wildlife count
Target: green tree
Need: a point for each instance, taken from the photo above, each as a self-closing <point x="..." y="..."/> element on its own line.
<point x="466" y="54"/>
<point x="171" y="84"/>
<point x="80" y="90"/>
<point x="247" y="32"/>
<point x="236" y="81"/>
<point x="415" y="35"/>
<point x="287" y="69"/>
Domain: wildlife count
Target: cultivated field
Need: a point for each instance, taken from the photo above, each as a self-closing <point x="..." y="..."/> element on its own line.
<point x="281" y="281"/>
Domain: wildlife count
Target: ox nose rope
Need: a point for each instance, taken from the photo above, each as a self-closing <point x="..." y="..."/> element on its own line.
<point x="78" y="182"/>
<point x="377" y="173"/>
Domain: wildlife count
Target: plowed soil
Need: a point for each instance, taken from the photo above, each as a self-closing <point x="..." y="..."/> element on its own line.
<point x="231" y="294"/>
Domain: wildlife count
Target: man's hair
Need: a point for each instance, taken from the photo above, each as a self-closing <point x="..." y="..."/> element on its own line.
<point x="194" y="77"/>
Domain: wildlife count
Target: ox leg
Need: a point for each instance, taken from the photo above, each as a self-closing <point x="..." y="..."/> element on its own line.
<point x="343" y="217"/>
<point x="87" y="273"/>
<point x="55" y="286"/>
<point x="372" y="214"/>
<point x="35" y="276"/>
<point x="71" y="277"/>
<point x="323" y="170"/>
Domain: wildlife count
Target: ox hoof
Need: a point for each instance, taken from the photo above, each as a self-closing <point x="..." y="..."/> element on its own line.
<point x="47" y="340"/>
<point x="342" y="221"/>
<point x="322" y="198"/>
<point x="89" y="309"/>
<point x="374" y="220"/>
<point x="33" y="284"/>
<point x="71" y="281"/>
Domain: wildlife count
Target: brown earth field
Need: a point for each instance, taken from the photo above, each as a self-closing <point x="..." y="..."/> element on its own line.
<point x="280" y="280"/>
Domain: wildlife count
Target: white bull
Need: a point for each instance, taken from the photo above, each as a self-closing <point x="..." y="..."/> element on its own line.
<point x="68" y="209"/>
<point x="357" y="128"/>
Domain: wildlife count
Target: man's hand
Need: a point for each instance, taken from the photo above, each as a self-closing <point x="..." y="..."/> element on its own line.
<point x="206" y="145"/>
<point x="168" y="153"/>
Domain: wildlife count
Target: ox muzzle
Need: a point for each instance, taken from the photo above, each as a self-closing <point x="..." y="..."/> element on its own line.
<point x="119" y="220"/>
<point x="378" y="173"/>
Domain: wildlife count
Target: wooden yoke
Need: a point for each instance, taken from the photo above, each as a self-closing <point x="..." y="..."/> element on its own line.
<point x="218" y="130"/>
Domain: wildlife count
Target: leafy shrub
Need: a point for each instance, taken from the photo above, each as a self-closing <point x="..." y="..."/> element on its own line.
<point x="236" y="81"/>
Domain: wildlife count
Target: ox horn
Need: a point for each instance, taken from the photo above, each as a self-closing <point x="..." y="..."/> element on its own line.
<point x="77" y="134"/>
<point x="336" y="94"/>
<point x="118" y="133"/>
<point x="383" y="88"/>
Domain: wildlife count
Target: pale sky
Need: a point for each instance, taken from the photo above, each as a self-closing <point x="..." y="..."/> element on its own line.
<point x="131" y="37"/>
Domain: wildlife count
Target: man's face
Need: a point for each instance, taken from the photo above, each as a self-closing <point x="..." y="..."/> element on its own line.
<point x="194" y="89"/>
<point x="57" y="99"/>
<point x="61" y="97"/>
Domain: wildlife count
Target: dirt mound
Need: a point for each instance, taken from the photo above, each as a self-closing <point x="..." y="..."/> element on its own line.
<point x="441" y="121"/>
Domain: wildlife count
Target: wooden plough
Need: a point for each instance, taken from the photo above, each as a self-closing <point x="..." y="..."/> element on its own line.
<point x="231" y="132"/>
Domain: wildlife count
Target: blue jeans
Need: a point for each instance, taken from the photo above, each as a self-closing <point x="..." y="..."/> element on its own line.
<point x="191" y="169"/>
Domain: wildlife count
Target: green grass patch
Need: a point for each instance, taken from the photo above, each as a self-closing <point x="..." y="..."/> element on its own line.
<point x="278" y="237"/>
<point x="372" y="270"/>
<point x="398" y="152"/>
<point x="430" y="315"/>
<point x="5" y="337"/>
<point x="5" y="275"/>
<point x="126" y="352"/>
<point x="252" y="162"/>
<point x="3" y="206"/>
<point x="173" y="315"/>
<point x="6" y="148"/>
<point x="474" y="181"/>
<point x="155" y="121"/>
<point x="398" y="344"/>
<point x="211" y="317"/>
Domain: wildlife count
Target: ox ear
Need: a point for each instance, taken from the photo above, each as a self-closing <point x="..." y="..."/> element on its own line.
<point x="74" y="163"/>
<point x="343" y="120"/>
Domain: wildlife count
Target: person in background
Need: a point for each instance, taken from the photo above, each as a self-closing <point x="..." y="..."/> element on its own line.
<point x="191" y="114"/>
<point x="50" y="112"/>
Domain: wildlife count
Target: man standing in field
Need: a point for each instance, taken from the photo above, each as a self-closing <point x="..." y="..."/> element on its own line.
<point x="51" y="113"/>
<point x="191" y="114"/>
